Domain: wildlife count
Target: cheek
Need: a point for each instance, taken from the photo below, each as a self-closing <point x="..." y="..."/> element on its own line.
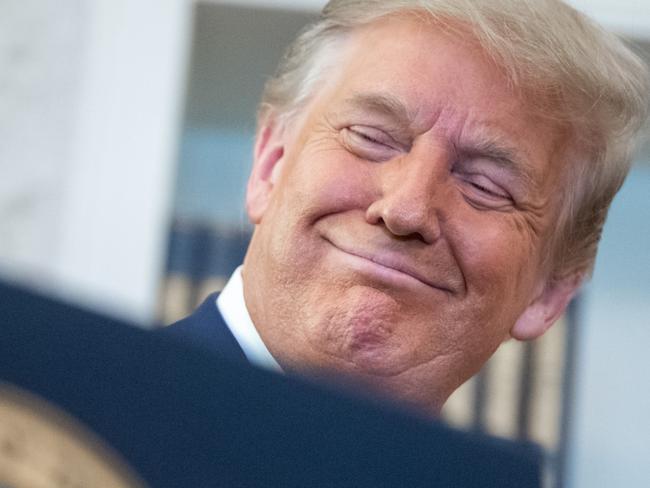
<point x="318" y="183"/>
<point x="329" y="182"/>
<point x="499" y="259"/>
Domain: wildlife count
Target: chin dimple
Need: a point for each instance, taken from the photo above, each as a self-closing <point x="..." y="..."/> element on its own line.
<point x="367" y="336"/>
<point x="360" y="329"/>
<point x="369" y="320"/>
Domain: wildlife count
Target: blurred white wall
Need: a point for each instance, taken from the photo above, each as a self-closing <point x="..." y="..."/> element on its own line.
<point x="89" y="117"/>
<point x="40" y="76"/>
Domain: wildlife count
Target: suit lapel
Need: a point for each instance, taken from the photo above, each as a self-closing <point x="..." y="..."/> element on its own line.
<point x="207" y="329"/>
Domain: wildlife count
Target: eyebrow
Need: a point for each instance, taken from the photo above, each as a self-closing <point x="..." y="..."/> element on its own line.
<point x="383" y="104"/>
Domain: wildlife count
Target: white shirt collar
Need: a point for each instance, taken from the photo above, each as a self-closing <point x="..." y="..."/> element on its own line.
<point x="233" y="309"/>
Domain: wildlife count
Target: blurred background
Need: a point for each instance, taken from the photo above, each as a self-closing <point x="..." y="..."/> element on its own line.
<point x="126" y="131"/>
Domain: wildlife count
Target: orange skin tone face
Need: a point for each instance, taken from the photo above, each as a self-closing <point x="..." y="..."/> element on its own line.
<point x="402" y="217"/>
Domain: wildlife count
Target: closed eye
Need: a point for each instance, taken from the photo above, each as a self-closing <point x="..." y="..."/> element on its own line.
<point x="487" y="190"/>
<point x="483" y="192"/>
<point x="369" y="136"/>
<point x="369" y="143"/>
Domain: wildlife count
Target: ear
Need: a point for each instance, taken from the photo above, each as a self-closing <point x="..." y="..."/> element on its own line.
<point x="269" y="151"/>
<point x="546" y="309"/>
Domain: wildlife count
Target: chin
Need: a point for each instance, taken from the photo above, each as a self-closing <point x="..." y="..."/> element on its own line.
<point x="376" y="362"/>
<point x="369" y="354"/>
<point x="358" y="332"/>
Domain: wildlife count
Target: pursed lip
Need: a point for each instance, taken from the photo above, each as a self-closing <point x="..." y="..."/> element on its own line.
<point x="395" y="262"/>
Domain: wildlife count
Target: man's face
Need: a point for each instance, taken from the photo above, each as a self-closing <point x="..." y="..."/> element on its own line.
<point x="402" y="217"/>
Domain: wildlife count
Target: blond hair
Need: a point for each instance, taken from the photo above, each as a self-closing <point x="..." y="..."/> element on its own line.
<point x="582" y="76"/>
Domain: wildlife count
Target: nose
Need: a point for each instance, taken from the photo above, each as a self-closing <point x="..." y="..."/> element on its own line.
<point x="409" y="205"/>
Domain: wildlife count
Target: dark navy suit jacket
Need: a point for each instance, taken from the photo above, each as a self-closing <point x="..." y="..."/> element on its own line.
<point x="207" y="329"/>
<point x="341" y="442"/>
<point x="182" y="417"/>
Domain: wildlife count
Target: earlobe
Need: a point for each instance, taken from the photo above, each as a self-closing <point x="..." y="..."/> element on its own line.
<point x="269" y="151"/>
<point x="546" y="309"/>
